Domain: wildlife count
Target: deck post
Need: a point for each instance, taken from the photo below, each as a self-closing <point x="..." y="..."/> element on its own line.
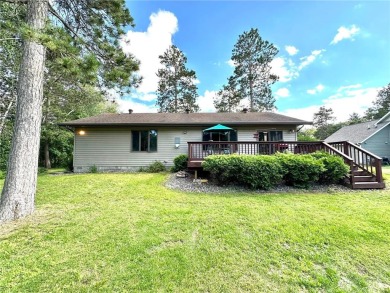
<point x="378" y="169"/>
<point x="346" y="151"/>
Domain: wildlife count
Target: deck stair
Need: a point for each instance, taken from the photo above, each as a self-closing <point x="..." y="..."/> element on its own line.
<point x="366" y="168"/>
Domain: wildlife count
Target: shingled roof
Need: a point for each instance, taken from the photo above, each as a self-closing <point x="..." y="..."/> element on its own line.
<point x="356" y="133"/>
<point x="172" y="119"/>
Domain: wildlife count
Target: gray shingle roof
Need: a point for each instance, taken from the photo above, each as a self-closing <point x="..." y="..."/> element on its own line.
<point x="171" y="119"/>
<point x="356" y="133"/>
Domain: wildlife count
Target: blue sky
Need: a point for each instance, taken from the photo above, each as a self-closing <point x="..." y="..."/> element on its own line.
<point x="331" y="53"/>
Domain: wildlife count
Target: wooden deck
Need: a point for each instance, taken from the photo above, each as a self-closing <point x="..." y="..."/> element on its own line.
<point x="366" y="168"/>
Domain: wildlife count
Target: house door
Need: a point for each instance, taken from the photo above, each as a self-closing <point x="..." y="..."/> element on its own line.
<point x="268" y="136"/>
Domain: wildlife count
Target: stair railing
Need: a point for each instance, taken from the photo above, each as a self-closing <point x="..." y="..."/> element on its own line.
<point x="362" y="159"/>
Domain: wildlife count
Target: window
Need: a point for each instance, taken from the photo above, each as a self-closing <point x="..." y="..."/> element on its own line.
<point x="220" y="136"/>
<point x="274" y="135"/>
<point x="144" y="141"/>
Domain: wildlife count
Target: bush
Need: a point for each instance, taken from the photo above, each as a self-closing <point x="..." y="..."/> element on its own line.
<point x="93" y="169"/>
<point x="69" y="164"/>
<point x="155" y="167"/>
<point x="42" y="170"/>
<point x="257" y="172"/>
<point x="179" y="163"/>
<point x="2" y="175"/>
<point x="335" y="168"/>
<point x="300" y="170"/>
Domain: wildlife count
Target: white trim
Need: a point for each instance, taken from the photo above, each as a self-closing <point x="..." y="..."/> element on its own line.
<point x="375" y="131"/>
<point x="383" y="118"/>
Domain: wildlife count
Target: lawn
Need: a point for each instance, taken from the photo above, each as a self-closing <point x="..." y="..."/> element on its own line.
<point x="127" y="232"/>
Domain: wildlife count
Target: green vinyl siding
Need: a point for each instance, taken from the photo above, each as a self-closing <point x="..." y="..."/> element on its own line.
<point x="379" y="143"/>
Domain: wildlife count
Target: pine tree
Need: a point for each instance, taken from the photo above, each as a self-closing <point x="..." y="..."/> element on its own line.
<point x="228" y="98"/>
<point x="322" y="121"/>
<point x="355" y="118"/>
<point x="177" y="90"/>
<point x="252" y="57"/>
<point x="323" y="117"/>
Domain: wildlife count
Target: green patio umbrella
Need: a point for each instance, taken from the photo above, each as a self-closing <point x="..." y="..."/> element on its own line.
<point x="218" y="127"/>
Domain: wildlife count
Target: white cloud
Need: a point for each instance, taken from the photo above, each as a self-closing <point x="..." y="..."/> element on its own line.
<point x="125" y="105"/>
<point x="301" y="113"/>
<point x="305" y="61"/>
<point x="319" y="88"/>
<point x="283" y="68"/>
<point x="348" y="99"/>
<point x="147" y="46"/>
<point x="349" y="87"/>
<point x="358" y="6"/>
<point x="206" y="102"/>
<point x="282" y="92"/>
<point x="230" y="62"/>
<point x="291" y="50"/>
<point x="286" y="69"/>
<point x="345" y="33"/>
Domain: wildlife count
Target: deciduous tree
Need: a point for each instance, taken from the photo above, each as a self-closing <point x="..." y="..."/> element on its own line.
<point x="95" y="28"/>
<point x="381" y="104"/>
<point x="177" y="90"/>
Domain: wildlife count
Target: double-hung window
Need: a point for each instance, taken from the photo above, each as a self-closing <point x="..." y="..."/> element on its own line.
<point x="144" y="140"/>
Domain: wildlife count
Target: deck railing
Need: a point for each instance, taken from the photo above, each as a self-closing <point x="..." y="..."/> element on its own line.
<point x="198" y="151"/>
<point x="362" y="159"/>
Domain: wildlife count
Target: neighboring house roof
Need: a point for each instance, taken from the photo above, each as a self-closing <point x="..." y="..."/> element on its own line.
<point x="239" y="118"/>
<point x="356" y="133"/>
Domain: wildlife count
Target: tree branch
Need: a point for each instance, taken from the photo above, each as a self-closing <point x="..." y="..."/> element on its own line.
<point x="8" y="39"/>
<point x="55" y="13"/>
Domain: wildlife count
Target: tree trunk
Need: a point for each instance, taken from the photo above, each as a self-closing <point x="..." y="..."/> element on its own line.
<point x="47" y="162"/>
<point x="17" y="199"/>
<point x="47" y="154"/>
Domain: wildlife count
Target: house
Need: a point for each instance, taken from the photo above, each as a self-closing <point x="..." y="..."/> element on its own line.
<point x="115" y="142"/>
<point x="373" y="136"/>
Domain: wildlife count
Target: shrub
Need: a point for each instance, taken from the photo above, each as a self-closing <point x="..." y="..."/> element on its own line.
<point x="42" y="170"/>
<point x="2" y="175"/>
<point x="179" y="163"/>
<point x="300" y="170"/>
<point x="257" y="172"/>
<point x="69" y="164"/>
<point x="335" y="168"/>
<point x="93" y="169"/>
<point x="155" y="167"/>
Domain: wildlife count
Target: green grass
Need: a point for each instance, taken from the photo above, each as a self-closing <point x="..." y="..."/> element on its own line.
<point x="386" y="173"/>
<point x="127" y="232"/>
